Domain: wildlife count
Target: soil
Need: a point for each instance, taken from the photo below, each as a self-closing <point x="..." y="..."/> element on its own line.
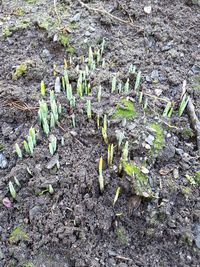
<point x="77" y="225"/>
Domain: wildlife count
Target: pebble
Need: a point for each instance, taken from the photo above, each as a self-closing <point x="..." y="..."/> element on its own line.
<point x="149" y="140"/>
<point x="197" y="235"/>
<point x="3" y="161"/>
<point x="34" y="212"/>
<point x="46" y="53"/>
<point x="76" y="17"/>
<point x="87" y="33"/>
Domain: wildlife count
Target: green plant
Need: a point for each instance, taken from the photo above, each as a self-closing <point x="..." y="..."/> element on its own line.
<point x="42" y="88"/>
<point x="183" y="105"/>
<point x="168" y="110"/>
<point x="132" y="69"/>
<point x="73" y="120"/>
<point x="138" y="80"/>
<point x="110" y="154"/>
<point x="18" y="151"/>
<point x="89" y="109"/>
<point x="99" y="94"/>
<point x="104" y="134"/>
<point x="159" y="137"/>
<point x="91" y="62"/>
<point x="120" y="137"/>
<point x="53" y="145"/>
<point x="101" y="179"/>
<point x="117" y="195"/>
<point x="18" y="234"/>
<point x="12" y="190"/>
<point x="19" y="71"/>
<point x="126" y="86"/>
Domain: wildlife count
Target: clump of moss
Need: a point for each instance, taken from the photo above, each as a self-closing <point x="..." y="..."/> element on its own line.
<point x="126" y="110"/>
<point x="64" y="39"/>
<point x="6" y="32"/>
<point x="197" y="177"/>
<point x="19" y="71"/>
<point x="17" y="235"/>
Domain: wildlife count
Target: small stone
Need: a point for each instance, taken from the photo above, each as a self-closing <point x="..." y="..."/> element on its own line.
<point x="149" y="140"/>
<point x="46" y="53"/>
<point x="158" y="92"/>
<point x="87" y="33"/>
<point x="34" y="212"/>
<point x="176" y="173"/>
<point x="179" y="151"/>
<point x="3" y="161"/>
<point x="1" y="254"/>
<point x="53" y="162"/>
<point x="76" y="17"/>
<point x="197" y="235"/>
<point x="147" y="9"/>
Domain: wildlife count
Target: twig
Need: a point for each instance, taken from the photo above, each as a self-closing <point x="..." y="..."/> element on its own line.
<point x="106" y="13"/>
<point x="194" y="122"/>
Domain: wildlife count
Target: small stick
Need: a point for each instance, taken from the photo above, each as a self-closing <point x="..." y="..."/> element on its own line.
<point x="106" y="13"/>
<point x="194" y="122"/>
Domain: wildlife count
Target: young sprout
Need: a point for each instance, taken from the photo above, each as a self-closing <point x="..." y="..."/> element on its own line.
<point x="17" y="181"/>
<point x="65" y="64"/>
<point x="72" y="102"/>
<point x="51" y="189"/>
<point x="18" y="151"/>
<point x="42" y="88"/>
<point x="89" y="109"/>
<point x="98" y="55"/>
<point x="12" y="190"/>
<point x="124" y="121"/>
<point x="63" y="83"/>
<point x="54" y="70"/>
<point x="99" y="94"/>
<point x="183" y="105"/>
<point x="101" y="179"/>
<point x="98" y="121"/>
<point x="110" y="154"/>
<point x="126" y="86"/>
<point x="26" y="147"/>
<point x="103" y="63"/>
<point x="117" y="195"/>
<point x="140" y="97"/>
<point x="80" y="84"/>
<point x="119" y="87"/>
<point x="30" y="144"/>
<point x="91" y="62"/>
<point x="73" y="120"/>
<point x="45" y="126"/>
<point x="53" y="145"/>
<point x="86" y="70"/>
<point x="43" y="111"/>
<point x="52" y="121"/>
<point x="104" y="134"/>
<point x="66" y="77"/>
<point x="137" y="82"/>
<point x="69" y="92"/>
<point x="168" y="110"/>
<point x="145" y="103"/>
<point x="132" y="69"/>
<point x="62" y="141"/>
<point x="105" y="123"/>
<point x="32" y="135"/>
<point x="120" y="137"/>
<point x="114" y="84"/>
<point x="102" y="46"/>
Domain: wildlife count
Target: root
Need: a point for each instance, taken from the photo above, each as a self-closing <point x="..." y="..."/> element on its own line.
<point x="106" y="13"/>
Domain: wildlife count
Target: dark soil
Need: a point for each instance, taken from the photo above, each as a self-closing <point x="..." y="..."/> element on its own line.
<point x="77" y="226"/>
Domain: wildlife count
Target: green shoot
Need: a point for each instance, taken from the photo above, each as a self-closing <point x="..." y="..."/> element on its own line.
<point x="69" y="92"/>
<point x="132" y="69"/>
<point x="89" y="109"/>
<point x="91" y="62"/>
<point x="119" y="87"/>
<point x="145" y="103"/>
<point x="52" y="121"/>
<point x="101" y="179"/>
<point x="51" y="190"/>
<point x="53" y="145"/>
<point x="137" y="82"/>
<point x="57" y="86"/>
<point x="63" y="83"/>
<point x="98" y="55"/>
<point x="45" y="126"/>
<point x="117" y="195"/>
<point x="141" y="97"/>
<point x="73" y="120"/>
<point x="12" y="190"/>
<point x="104" y="134"/>
<point x="120" y="137"/>
<point x="183" y="105"/>
<point x="99" y="94"/>
<point x="18" y="151"/>
<point x="17" y="181"/>
<point x="26" y="147"/>
<point x="59" y="108"/>
<point x="168" y="110"/>
<point x="126" y="86"/>
<point x="43" y="111"/>
<point x="98" y="121"/>
<point x="105" y="123"/>
<point x="102" y="46"/>
<point x="42" y="88"/>
<point x="80" y="84"/>
<point x="114" y="84"/>
<point x="103" y="63"/>
<point x="32" y="135"/>
<point x="62" y="141"/>
<point x="110" y="154"/>
<point x="30" y="144"/>
<point x="66" y="78"/>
